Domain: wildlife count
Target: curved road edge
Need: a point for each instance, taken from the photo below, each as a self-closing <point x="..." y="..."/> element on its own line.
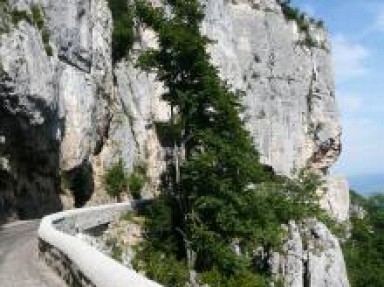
<point x="81" y="263"/>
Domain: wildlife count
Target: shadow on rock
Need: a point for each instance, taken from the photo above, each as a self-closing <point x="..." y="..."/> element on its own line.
<point x="80" y="182"/>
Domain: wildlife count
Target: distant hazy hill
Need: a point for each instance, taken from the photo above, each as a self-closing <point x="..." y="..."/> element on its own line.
<point x="367" y="183"/>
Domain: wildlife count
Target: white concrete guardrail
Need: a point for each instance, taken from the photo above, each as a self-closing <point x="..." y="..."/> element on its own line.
<point x="78" y="263"/>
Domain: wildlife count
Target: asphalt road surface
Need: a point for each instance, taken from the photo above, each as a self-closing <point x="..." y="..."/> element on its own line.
<point x="20" y="265"/>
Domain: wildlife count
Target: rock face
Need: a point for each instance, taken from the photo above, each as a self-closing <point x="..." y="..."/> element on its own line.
<point x="104" y="114"/>
<point x="311" y="257"/>
<point x="55" y="110"/>
<point x="29" y="126"/>
<point x="288" y="84"/>
<point x="69" y="116"/>
<point x="288" y="87"/>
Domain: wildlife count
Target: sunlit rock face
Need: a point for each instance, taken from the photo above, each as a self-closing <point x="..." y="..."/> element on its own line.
<point x="311" y="257"/>
<point x="107" y="113"/>
<point x="288" y="88"/>
<point x="69" y="116"/>
<point x="29" y="127"/>
<point x="288" y="85"/>
<point x="55" y="109"/>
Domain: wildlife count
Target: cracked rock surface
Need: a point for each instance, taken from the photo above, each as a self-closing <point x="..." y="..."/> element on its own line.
<point x="74" y="114"/>
<point x="311" y="256"/>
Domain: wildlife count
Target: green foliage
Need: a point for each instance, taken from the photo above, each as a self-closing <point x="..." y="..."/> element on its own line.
<point x="158" y="255"/>
<point x="302" y="20"/>
<point x="244" y="279"/>
<point x="128" y="216"/>
<point x="216" y="194"/>
<point x="48" y="50"/>
<point x="167" y="270"/>
<point x="364" y="251"/>
<point x="266" y="210"/>
<point x="358" y="199"/>
<point x="4" y="19"/>
<point x="117" y="253"/>
<point x="136" y="181"/>
<point x="37" y="16"/>
<point x="115" y="180"/>
<point x="4" y="16"/>
<point x="123" y="28"/>
<point x="45" y="36"/>
<point x="167" y="132"/>
<point x="18" y="16"/>
<point x="308" y="41"/>
<point x="294" y="14"/>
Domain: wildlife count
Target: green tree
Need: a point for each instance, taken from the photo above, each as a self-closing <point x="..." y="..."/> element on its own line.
<point x="116" y="181"/>
<point x="218" y="203"/>
<point x="136" y="181"/>
<point x="214" y="159"/>
<point x="123" y="28"/>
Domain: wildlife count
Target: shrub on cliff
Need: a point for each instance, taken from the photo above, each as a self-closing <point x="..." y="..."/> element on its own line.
<point x="123" y="33"/>
<point x="115" y="180"/>
<point x="37" y="16"/>
<point x="136" y="181"/>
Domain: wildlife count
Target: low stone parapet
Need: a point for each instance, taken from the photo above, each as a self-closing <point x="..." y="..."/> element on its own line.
<point x="78" y="263"/>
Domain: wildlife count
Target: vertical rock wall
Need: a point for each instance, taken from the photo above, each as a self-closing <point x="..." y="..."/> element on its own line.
<point x="288" y="85"/>
<point x="287" y="77"/>
<point x="29" y="127"/>
<point x="56" y="110"/>
<point x="311" y="257"/>
<point x="100" y="115"/>
<point x="69" y="116"/>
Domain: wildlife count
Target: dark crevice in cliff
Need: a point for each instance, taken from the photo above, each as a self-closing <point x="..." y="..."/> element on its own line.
<point x="81" y="183"/>
<point x="29" y="155"/>
<point x="306" y="276"/>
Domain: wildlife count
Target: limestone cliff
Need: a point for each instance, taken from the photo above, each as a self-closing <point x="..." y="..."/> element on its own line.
<point x="286" y="74"/>
<point x="57" y="80"/>
<point x="67" y="113"/>
<point x="287" y="80"/>
<point x="311" y="257"/>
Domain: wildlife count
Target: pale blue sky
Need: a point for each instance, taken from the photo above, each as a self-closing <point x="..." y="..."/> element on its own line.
<point x="356" y="28"/>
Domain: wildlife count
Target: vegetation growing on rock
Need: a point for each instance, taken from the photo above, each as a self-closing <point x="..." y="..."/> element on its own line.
<point x="4" y="17"/>
<point x="35" y="17"/>
<point x="364" y="250"/>
<point x="136" y="181"/>
<point x="218" y="206"/>
<point x="123" y="32"/>
<point x="18" y="16"/>
<point x="303" y="22"/>
<point x="117" y="182"/>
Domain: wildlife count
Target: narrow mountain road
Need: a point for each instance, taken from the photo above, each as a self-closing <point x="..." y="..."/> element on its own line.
<point x="19" y="262"/>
